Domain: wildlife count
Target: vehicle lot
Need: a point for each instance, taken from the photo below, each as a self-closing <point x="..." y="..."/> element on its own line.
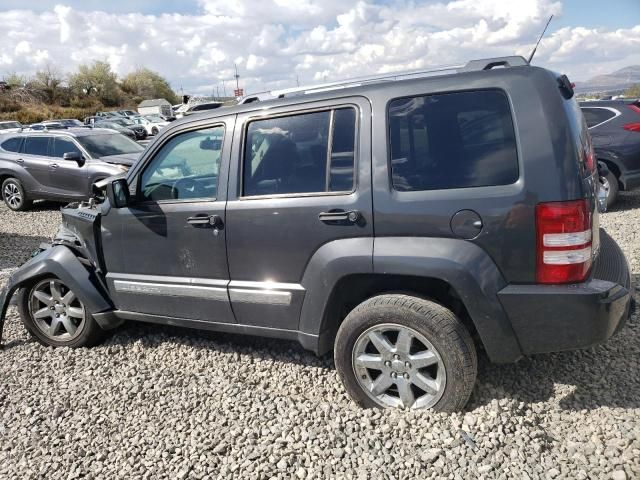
<point x="175" y="403"/>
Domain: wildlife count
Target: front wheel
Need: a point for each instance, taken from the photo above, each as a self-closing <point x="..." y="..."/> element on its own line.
<point x="154" y="131"/>
<point x="405" y="352"/>
<point x="56" y="317"/>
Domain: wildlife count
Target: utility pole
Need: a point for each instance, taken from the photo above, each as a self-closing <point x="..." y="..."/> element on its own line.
<point x="237" y="77"/>
<point x="297" y="80"/>
<point x="224" y="89"/>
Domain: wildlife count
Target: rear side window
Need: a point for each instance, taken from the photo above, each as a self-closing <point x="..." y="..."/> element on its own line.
<point x="452" y="140"/>
<point x="36" y="145"/>
<point x="62" y="146"/>
<point x="596" y="116"/>
<point x="304" y="153"/>
<point x="11" y="145"/>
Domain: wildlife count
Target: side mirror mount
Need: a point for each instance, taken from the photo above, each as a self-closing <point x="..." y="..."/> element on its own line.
<point x="74" y="157"/>
<point x="118" y="193"/>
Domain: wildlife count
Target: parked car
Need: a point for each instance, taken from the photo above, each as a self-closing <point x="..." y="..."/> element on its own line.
<point x="46" y="125"/>
<point x="110" y="115"/>
<point x="615" y="131"/>
<point x="70" y="122"/>
<point x="127" y="113"/>
<point x="188" y="109"/>
<point x="60" y="165"/>
<point x="152" y="124"/>
<point x="139" y="130"/>
<point x="402" y="224"/>
<point x="126" y="131"/>
<point x="10" y="126"/>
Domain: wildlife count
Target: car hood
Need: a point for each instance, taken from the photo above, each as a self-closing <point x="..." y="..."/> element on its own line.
<point x="127" y="159"/>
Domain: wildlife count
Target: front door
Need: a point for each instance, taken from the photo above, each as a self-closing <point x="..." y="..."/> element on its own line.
<point x="304" y="181"/>
<point x="165" y="252"/>
<point x="65" y="176"/>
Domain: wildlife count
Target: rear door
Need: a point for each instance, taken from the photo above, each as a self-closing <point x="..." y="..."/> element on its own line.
<point x="36" y="160"/>
<point x="66" y="177"/>
<point x="303" y="180"/>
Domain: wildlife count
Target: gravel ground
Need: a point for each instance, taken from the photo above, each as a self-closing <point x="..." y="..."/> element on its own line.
<point x="160" y="402"/>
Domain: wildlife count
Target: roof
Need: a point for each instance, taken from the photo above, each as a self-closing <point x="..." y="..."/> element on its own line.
<point x="361" y="88"/>
<point x="156" y="102"/>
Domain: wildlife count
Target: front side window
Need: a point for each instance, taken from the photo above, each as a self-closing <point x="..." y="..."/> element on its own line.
<point x="186" y="167"/>
<point x="36" y="146"/>
<point x="62" y="146"/>
<point x="300" y="154"/>
<point x="452" y="140"/>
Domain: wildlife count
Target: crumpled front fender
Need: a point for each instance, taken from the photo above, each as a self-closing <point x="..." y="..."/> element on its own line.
<point x="61" y="262"/>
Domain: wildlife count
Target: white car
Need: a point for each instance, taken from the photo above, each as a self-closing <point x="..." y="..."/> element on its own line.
<point x="152" y="124"/>
<point x="10" y="127"/>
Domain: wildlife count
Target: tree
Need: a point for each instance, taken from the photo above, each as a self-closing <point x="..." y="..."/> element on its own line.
<point x="15" y="80"/>
<point x="145" y="84"/>
<point x="96" y="80"/>
<point x="49" y="82"/>
<point x="633" y="91"/>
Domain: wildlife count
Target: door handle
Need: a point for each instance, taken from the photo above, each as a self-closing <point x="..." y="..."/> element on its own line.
<point x="53" y="165"/>
<point x="20" y="160"/>
<point x="351" y="216"/>
<point x="204" y="220"/>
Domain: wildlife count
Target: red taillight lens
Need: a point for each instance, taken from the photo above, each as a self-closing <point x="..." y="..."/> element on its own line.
<point x="563" y="242"/>
<point x="632" y="127"/>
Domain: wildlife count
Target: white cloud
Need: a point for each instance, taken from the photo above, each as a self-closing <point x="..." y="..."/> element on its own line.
<point x="273" y="41"/>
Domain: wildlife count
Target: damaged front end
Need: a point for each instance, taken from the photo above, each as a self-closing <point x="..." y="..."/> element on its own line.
<point x="74" y="256"/>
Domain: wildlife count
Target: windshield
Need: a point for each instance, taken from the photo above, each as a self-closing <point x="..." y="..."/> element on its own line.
<point x="123" y="122"/>
<point x="72" y="122"/>
<point x="6" y="125"/>
<point x="108" y="144"/>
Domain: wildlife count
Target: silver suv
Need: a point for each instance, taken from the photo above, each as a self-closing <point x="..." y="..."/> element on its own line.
<point x="60" y="165"/>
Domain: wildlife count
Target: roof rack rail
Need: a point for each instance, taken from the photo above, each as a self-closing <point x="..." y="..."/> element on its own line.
<point x="472" y="66"/>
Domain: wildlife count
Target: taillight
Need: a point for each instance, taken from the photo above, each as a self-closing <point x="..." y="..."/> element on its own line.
<point x="589" y="156"/>
<point x="563" y="242"/>
<point x="634" y="126"/>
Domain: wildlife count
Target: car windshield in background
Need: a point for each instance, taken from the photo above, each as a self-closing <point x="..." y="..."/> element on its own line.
<point x="109" y="144"/>
<point x="7" y="125"/>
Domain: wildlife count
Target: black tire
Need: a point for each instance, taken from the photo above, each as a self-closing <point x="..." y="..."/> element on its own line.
<point x="91" y="334"/>
<point x="23" y="203"/>
<point x="437" y="324"/>
<point x="614" y="188"/>
<point x="154" y="131"/>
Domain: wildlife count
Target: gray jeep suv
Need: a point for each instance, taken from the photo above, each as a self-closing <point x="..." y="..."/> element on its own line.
<point x="60" y="165"/>
<point x="403" y="224"/>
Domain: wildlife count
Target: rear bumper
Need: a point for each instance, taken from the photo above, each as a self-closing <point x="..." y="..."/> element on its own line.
<point x="550" y="318"/>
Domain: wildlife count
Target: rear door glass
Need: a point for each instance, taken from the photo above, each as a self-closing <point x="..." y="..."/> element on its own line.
<point x="36" y="146"/>
<point x="452" y="140"/>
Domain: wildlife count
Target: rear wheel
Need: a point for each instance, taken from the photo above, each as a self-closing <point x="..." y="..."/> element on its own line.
<point x="610" y="185"/>
<point x="56" y="317"/>
<point x="405" y="352"/>
<point x="14" y="195"/>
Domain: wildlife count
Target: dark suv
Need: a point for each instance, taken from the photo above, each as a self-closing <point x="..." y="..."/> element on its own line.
<point x="401" y="223"/>
<point x="614" y="126"/>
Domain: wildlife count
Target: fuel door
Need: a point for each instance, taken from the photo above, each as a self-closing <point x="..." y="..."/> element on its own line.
<point x="466" y="224"/>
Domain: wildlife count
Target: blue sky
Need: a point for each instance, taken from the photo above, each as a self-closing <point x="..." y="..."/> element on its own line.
<point x="195" y="43"/>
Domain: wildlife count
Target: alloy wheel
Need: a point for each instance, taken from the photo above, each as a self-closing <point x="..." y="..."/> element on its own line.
<point x="56" y="310"/>
<point x="396" y="366"/>
<point x="12" y="195"/>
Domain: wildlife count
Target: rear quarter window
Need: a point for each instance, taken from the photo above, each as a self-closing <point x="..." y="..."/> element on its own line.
<point x="12" y="144"/>
<point x="452" y="140"/>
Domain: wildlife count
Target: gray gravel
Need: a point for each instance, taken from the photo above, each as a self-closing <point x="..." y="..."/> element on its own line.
<point x="159" y="402"/>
